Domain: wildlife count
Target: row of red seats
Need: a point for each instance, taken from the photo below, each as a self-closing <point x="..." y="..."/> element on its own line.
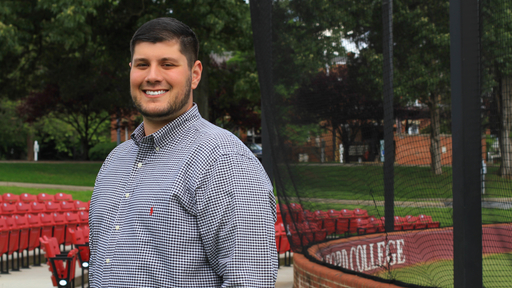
<point x="307" y="226"/>
<point x="20" y="233"/>
<point x="20" y="207"/>
<point x="41" y="197"/>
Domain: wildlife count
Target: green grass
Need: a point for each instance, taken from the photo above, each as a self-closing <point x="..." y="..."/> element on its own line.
<point x="83" y="196"/>
<point x="496" y="272"/>
<point x="80" y="174"/>
<point x="366" y="182"/>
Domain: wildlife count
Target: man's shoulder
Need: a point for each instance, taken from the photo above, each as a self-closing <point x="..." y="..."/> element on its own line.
<point x="219" y="139"/>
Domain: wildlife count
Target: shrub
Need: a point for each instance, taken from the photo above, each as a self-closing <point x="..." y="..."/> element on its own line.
<point x="100" y="151"/>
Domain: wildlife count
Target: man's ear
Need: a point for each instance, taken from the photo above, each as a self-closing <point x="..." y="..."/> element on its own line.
<point x="197" y="69"/>
<point x="130" y="64"/>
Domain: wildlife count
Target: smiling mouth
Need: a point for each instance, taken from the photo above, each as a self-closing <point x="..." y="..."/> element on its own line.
<point x="154" y="93"/>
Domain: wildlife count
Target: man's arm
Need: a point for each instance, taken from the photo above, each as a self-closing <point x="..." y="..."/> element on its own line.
<point x="236" y="216"/>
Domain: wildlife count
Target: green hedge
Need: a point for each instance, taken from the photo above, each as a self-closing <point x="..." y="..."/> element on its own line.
<point x="101" y="150"/>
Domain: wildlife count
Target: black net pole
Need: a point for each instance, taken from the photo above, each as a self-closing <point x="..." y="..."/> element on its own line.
<point x="467" y="214"/>
<point x="389" y="149"/>
<point x="261" y="20"/>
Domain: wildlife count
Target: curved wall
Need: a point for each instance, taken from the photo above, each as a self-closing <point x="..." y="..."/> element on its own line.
<point x="371" y="253"/>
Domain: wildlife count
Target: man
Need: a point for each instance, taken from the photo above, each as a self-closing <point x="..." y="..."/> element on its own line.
<point x="183" y="203"/>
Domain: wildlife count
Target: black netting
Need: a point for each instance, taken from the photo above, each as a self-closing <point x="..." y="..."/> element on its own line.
<point x="496" y="79"/>
<point x="342" y="92"/>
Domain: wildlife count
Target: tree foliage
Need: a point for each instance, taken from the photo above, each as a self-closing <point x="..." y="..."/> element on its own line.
<point x="421" y="55"/>
<point x="71" y="56"/>
<point x="330" y="97"/>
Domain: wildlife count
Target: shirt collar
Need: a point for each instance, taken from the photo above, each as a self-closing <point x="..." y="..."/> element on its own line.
<point x="169" y="131"/>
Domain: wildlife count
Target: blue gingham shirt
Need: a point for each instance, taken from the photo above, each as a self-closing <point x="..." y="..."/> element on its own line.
<point x="187" y="206"/>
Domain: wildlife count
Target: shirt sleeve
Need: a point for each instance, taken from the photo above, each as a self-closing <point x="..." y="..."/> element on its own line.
<point x="236" y="216"/>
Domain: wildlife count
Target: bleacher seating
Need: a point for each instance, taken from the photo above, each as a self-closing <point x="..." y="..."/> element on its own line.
<point x="26" y="218"/>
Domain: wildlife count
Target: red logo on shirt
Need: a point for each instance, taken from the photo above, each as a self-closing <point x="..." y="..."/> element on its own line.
<point x="151" y="211"/>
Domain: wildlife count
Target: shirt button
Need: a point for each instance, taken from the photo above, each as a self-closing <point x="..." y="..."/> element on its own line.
<point x="127" y="195"/>
<point x="157" y="148"/>
<point x="117" y="227"/>
<point x="108" y="261"/>
<point x="139" y="165"/>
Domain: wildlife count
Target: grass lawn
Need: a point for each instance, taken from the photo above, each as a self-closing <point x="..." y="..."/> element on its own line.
<point x="366" y="182"/>
<point x="80" y="174"/>
<point x="83" y="196"/>
<point x="496" y="272"/>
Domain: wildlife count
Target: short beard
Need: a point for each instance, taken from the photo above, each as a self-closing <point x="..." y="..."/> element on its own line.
<point x="173" y="107"/>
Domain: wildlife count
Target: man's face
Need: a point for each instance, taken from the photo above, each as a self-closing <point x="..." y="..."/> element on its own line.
<point x="161" y="82"/>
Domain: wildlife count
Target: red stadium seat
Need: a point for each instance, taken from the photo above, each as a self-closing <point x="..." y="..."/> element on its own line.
<point x="63" y="197"/>
<point x="72" y="222"/>
<point x="428" y="220"/>
<point x="46" y="224"/>
<point x="78" y="240"/>
<point x="83" y="217"/>
<point x="35" y="225"/>
<point x="397" y="223"/>
<point x="79" y="205"/>
<point x="405" y="224"/>
<point x="86" y="233"/>
<point x="10" y="198"/>
<point x="21" y="223"/>
<point x="4" y="243"/>
<point x="7" y="209"/>
<point x="297" y="212"/>
<point x="279" y="217"/>
<point x="52" y="206"/>
<point x="59" y="228"/>
<point x="361" y="213"/>
<point x="62" y="275"/>
<point x="342" y="225"/>
<point x="44" y="197"/>
<point x="14" y="239"/>
<point x="346" y="213"/>
<point x="363" y="226"/>
<point x="377" y="223"/>
<point x="23" y="208"/>
<point x="281" y="240"/>
<point x="27" y="198"/>
<point x="319" y="234"/>
<point x="67" y="206"/>
<point x="37" y="207"/>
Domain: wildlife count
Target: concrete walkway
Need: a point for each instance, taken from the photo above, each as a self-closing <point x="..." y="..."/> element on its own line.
<point x="39" y="277"/>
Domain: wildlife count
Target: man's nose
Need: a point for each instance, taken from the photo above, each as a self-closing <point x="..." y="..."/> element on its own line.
<point x="154" y="74"/>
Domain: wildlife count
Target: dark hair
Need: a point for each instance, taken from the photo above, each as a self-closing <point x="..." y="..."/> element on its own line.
<point x="168" y="29"/>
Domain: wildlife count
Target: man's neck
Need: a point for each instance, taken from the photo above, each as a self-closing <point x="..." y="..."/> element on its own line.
<point x="153" y="125"/>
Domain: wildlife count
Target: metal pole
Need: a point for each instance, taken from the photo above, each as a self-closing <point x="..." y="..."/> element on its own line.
<point x="389" y="147"/>
<point x="261" y="20"/>
<point x="467" y="153"/>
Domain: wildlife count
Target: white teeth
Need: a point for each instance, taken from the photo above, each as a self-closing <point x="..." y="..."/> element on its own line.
<point x="155" y="92"/>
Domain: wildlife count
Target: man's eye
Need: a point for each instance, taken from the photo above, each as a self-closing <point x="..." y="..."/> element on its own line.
<point x="142" y="65"/>
<point x="168" y="65"/>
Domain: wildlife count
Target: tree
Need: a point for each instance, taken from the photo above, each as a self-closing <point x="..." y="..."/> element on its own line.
<point x="234" y="89"/>
<point x="330" y="96"/>
<point x="13" y="133"/>
<point x="420" y="51"/>
<point x="497" y="76"/>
